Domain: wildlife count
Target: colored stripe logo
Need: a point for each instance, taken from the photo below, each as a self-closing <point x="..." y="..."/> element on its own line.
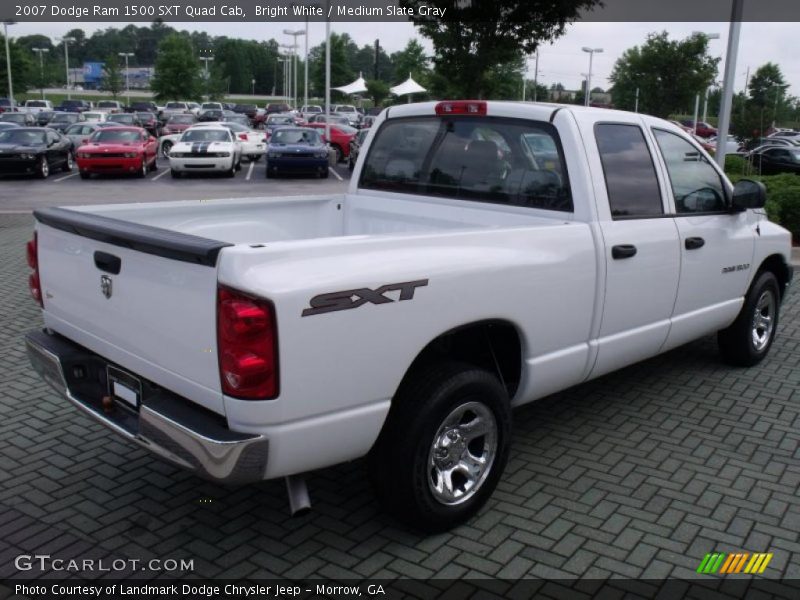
<point x="740" y="562"/>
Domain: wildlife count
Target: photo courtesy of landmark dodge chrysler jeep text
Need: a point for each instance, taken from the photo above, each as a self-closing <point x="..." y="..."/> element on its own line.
<point x="486" y="254"/>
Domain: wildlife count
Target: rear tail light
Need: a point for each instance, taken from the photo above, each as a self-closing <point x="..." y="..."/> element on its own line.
<point x="461" y="107"/>
<point x="34" y="282"/>
<point x="243" y="136"/>
<point x="247" y="345"/>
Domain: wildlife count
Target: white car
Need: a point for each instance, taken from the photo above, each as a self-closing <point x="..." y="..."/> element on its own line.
<point x="731" y="145"/>
<point x="37" y="106"/>
<point x="254" y="143"/>
<point x="96" y="117"/>
<point x="206" y="149"/>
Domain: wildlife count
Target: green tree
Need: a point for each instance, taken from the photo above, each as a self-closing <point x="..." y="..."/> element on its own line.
<point x="177" y="73"/>
<point x="377" y="90"/>
<point x="478" y="38"/>
<point x="668" y="73"/>
<point x="24" y="73"/>
<point x="113" y="80"/>
<point x="412" y="61"/>
<point x="341" y="72"/>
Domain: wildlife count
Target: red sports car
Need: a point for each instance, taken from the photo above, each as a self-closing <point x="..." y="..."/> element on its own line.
<point x="130" y="150"/>
<point x="341" y="136"/>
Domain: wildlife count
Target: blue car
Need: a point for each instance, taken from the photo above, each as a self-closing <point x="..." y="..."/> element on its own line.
<point x="297" y="150"/>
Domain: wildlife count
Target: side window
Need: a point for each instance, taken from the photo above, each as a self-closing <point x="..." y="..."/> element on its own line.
<point x="696" y="185"/>
<point x="629" y="171"/>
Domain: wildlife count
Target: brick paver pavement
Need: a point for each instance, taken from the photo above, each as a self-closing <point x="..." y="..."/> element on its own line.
<point x="637" y="474"/>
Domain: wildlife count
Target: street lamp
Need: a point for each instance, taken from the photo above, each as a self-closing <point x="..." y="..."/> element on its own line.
<point x="294" y="34"/>
<point x="591" y="52"/>
<point x="708" y="36"/>
<point x="126" y="55"/>
<point x="288" y="66"/>
<point x="66" y="41"/>
<point x="206" y="59"/>
<point x="283" y="76"/>
<point x="8" y="63"/>
<point x="41" y="52"/>
<point x="253" y="83"/>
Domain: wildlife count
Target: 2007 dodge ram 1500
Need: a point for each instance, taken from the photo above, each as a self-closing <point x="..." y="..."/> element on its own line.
<point x="486" y="254"/>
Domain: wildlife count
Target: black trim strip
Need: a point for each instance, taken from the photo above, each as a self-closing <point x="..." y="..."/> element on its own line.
<point x="554" y="113"/>
<point x="142" y="238"/>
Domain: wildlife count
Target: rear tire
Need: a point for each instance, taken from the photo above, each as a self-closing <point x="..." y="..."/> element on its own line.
<point x="747" y="341"/>
<point x="443" y="447"/>
<point x="175" y="174"/>
<point x="85" y="175"/>
<point x="166" y="148"/>
<point x="154" y="166"/>
<point x="324" y="173"/>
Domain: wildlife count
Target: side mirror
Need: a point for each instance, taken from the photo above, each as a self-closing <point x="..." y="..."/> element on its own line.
<point x="748" y="193"/>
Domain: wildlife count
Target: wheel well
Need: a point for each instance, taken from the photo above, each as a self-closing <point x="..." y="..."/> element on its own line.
<point x="777" y="265"/>
<point x="492" y="345"/>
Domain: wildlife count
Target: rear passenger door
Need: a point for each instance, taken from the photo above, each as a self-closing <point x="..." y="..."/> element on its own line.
<point x="641" y="248"/>
<point x="716" y="245"/>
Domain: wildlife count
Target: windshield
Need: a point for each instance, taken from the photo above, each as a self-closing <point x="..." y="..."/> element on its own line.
<point x="295" y="136"/>
<point x="111" y="136"/>
<point x="36" y="103"/>
<point x="122" y="118"/>
<point x="280" y="121"/>
<point x="181" y="119"/>
<point x="95" y="116"/>
<point x="13" y="117"/>
<point x="175" y="105"/>
<point x="64" y="118"/>
<point x="211" y="105"/>
<point x="145" y="115"/>
<point x="205" y="135"/>
<point x="106" y="104"/>
<point x="22" y="137"/>
<point x="237" y="127"/>
<point x="346" y="108"/>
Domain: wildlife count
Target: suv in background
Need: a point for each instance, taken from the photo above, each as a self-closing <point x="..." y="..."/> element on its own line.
<point x="112" y="106"/>
<point x="77" y="106"/>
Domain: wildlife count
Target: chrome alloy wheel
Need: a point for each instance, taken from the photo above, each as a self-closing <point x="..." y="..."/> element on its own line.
<point x="763" y="320"/>
<point x="462" y="453"/>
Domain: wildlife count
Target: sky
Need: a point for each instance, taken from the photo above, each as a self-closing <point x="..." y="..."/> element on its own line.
<point x="559" y="62"/>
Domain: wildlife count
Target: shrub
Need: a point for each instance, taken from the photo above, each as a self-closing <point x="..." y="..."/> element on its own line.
<point x="783" y="194"/>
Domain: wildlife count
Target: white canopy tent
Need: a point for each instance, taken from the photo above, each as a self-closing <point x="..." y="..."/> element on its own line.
<point x="359" y="86"/>
<point x="408" y="87"/>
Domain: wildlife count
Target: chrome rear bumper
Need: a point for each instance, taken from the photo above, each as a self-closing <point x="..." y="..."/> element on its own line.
<point x="165" y="424"/>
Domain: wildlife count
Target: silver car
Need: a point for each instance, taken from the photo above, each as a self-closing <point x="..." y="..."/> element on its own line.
<point x="79" y="133"/>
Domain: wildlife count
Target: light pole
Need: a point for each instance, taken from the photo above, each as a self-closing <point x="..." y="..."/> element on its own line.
<point x="8" y="63"/>
<point x="730" y="75"/>
<point x="591" y="52"/>
<point x="127" y="80"/>
<point x="708" y="36"/>
<point x="283" y="76"/>
<point x="294" y="34"/>
<point x="66" y="41"/>
<point x="206" y="59"/>
<point x="327" y="74"/>
<point x="536" y="78"/>
<point x="253" y="83"/>
<point x="289" y="56"/>
<point x="41" y="52"/>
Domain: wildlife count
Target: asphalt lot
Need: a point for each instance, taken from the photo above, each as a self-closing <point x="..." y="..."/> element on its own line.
<point x="21" y="194"/>
<point x="636" y="475"/>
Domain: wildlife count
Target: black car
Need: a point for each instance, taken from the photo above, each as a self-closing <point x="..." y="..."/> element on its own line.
<point x="149" y="121"/>
<point x="34" y="151"/>
<point x="251" y="110"/>
<point x="6" y="105"/>
<point x="277" y="108"/>
<point x="73" y="106"/>
<point x="211" y="114"/>
<point x="20" y="118"/>
<point x="43" y="117"/>
<point x="62" y="120"/>
<point x="770" y="160"/>
<point x="142" y="107"/>
<point x="355" y="147"/>
<point x="125" y="119"/>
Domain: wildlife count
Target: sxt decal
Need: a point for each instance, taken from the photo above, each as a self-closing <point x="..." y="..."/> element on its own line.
<point x="347" y="299"/>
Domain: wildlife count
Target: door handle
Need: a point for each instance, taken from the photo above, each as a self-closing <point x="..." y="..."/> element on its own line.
<point x="693" y="243"/>
<point x="107" y="262"/>
<point x="623" y="251"/>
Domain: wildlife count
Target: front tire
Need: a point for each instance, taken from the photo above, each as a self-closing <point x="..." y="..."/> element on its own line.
<point x="443" y="447"/>
<point x="175" y="174"/>
<point x="143" y="169"/>
<point x="68" y="163"/>
<point x="43" y="168"/>
<point x="748" y="340"/>
<point x="166" y="148"/>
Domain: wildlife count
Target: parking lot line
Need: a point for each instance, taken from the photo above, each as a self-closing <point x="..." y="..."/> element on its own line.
<point x="65" y="177"/>
<point x="250" y="171"/>
<point x="332" y="170"/>
<point x="164" y="172"/>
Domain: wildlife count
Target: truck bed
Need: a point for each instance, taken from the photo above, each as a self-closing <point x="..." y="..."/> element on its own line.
<point x="266" y="220"/>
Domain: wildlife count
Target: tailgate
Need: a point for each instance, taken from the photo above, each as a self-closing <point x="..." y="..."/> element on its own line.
<point x="140" y="296"/>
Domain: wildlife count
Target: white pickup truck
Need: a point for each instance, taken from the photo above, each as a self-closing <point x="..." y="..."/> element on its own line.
<point x="486" y="254"/>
